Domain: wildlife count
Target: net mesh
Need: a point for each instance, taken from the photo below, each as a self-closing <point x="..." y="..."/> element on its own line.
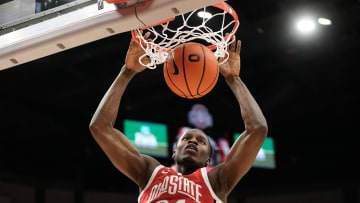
<point x="164" y="38"/>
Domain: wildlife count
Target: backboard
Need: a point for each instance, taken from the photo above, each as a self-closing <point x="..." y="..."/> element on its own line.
<point x="32" y="29"/>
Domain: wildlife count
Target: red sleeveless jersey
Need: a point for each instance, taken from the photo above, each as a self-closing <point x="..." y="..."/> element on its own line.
<point x="167" y="186"/>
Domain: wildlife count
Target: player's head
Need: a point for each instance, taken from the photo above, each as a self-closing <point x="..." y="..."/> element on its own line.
<point x="193" y="148"/>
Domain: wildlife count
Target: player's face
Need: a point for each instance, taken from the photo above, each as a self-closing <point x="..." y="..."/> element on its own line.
<point x="193" y="147"/>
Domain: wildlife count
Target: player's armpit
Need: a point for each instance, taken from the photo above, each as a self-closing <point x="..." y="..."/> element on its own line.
<point x="217" y="182"/>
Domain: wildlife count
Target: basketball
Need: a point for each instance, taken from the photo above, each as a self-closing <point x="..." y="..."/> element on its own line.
<point x="191" y="70"/>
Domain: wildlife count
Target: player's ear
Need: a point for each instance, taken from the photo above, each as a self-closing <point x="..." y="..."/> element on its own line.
<point x="173" y="155"/>
<point x="207" y="163"/>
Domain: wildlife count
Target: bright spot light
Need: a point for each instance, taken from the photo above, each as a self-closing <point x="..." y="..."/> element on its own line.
<point x="324" y="21"/>
<point x="203" y="14"/>
<point x="305" y="25"/>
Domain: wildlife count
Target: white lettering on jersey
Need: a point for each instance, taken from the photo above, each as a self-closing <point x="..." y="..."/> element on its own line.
<point x="174" y="184"/>
<point x="198" y="194"/>
<point x="186" y="185"/>
<point x="173" y="180"/>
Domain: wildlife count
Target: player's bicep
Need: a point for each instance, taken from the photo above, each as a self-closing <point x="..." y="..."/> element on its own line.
<point x="124" y="155"/>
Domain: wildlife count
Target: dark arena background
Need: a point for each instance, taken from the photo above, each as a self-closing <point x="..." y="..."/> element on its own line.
<point x="303" y="74"/>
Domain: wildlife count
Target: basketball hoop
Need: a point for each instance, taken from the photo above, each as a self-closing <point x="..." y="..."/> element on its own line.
<point x="164" y="38"/>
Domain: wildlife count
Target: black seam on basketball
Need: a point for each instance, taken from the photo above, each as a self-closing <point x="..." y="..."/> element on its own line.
<point x="211" y="85"/>
<point x="167" y="71"/>
<point x="187" y="85"/>
<point x="202" y="76"/>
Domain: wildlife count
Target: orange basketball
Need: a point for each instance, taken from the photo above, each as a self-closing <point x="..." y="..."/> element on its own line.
<point x="191" y="70"/>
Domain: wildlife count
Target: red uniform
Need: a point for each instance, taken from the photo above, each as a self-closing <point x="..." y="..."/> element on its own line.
<point x="167" y="186"/>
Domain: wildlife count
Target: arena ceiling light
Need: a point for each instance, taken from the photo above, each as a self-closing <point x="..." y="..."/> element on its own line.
<point x="305" y="25"/>
<point x="324" y="21"/>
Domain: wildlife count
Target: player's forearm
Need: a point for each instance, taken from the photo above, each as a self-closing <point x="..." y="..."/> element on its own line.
<point x="250" y="110"/>
<point x="243" y="152"/>
<point x="106" y="113"/>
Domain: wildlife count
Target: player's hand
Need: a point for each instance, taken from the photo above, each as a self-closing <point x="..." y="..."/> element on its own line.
<point x="133" y="54"/>
<point x="232" y="66"/>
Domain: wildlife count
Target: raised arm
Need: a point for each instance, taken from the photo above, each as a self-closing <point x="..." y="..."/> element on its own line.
<point x="121" y="152"/>
<point x="243" y="153"/>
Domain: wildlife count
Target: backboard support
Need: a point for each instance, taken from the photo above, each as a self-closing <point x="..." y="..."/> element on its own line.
<point x="27" y="38"/>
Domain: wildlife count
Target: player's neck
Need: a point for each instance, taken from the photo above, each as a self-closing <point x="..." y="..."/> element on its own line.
<point x="185" y="170"/>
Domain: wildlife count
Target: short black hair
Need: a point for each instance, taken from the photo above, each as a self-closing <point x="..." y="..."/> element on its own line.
<point x="210" y="146"/>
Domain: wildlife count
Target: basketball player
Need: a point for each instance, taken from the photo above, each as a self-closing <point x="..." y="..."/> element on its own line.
<point x="190" y="182"/>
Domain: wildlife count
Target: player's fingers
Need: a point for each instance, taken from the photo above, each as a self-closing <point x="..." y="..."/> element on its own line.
<point x="226" y="37"/>
<point x="233" y="44"/>
<point x="147" y="35"/>
<point x="238" y="47"/>
<point x="132" y="42"/>
<point x="145" y="60"/>
<point x="220" y="59"/>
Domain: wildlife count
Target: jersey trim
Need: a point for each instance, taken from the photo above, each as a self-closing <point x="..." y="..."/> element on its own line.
<point x="150" y="180"/>
<point x="207" y="182"/>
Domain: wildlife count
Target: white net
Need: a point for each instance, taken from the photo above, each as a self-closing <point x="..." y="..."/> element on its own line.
<point x="165" y="39"/>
